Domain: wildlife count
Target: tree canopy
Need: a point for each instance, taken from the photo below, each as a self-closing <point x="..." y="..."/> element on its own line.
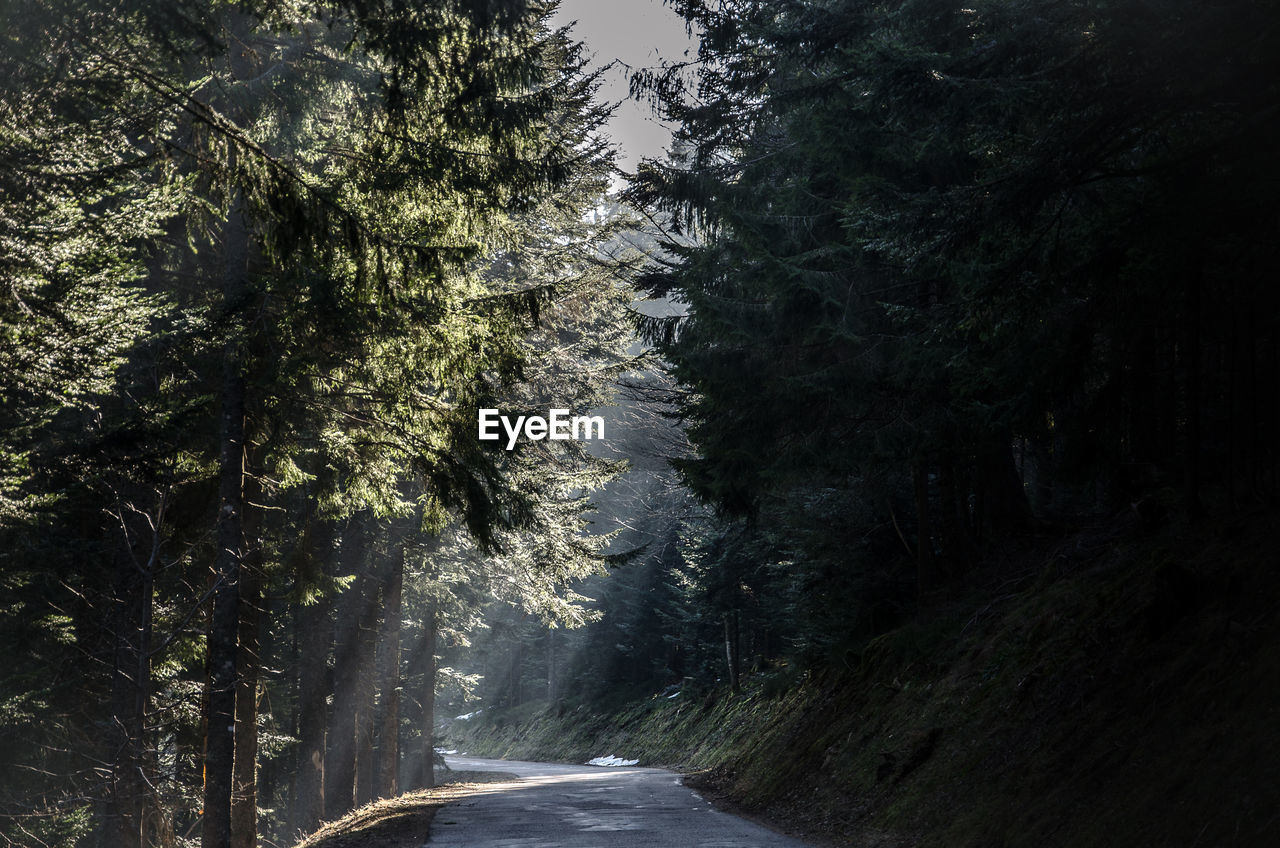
<point x="263" y="263"/>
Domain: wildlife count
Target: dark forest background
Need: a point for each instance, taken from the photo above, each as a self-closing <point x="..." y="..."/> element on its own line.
<point x="925" y="281"/>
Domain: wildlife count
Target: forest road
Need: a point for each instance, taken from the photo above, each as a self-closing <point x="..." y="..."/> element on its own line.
<point x="559" y="806"/>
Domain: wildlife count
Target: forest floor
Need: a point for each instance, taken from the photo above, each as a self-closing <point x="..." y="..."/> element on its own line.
<point x="1111" y="685"/>
<point x="400" y="822"/>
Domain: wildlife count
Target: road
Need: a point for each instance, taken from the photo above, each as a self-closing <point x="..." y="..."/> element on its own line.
<point x="558" y="806"/>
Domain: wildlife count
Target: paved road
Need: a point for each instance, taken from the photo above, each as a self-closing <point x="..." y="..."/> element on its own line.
<point x="555" y="806"/>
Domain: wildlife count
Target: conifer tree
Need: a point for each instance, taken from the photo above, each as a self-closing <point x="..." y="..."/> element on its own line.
<point x="260" y="256"/>
<point x="933" y="262"/>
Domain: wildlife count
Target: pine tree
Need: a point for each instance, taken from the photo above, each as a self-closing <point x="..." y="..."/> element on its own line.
<point x="931" y="258"/>
<point x="340" y="186"/>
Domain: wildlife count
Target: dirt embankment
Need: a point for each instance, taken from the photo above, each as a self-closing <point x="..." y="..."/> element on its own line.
<point x="1112" y="686"/>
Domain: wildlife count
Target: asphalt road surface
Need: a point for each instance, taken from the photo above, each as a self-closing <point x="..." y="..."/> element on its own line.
<point x="557" y="806"/>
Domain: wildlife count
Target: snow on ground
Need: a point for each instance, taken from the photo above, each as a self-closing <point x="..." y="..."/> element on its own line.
<point x="611" y="761"/>
<point x="467" y="716"/>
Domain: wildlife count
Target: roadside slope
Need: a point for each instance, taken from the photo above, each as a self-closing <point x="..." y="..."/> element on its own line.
<point x="1111" y="688"/>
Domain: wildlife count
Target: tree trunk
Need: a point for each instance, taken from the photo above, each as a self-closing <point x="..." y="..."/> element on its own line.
<point x="244" y="796"/>
<point x="225" y="623"/>
<point x="551" y="665"/>
<point x="276" y="775"/>
<point x="315" y="634"/>
<point x="340" y="753"/>
<point x="388" y="721"/>
<point x="731" y="649"/>
<point x="366" y="661"/>
<point x="220" y="733"/>
<point x="125" y="819"/>
<point x="515" y="673"/>
<point x="429" y="625"/>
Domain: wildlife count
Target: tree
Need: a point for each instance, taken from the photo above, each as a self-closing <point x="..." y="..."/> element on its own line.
<point x="350" y="319"/>
<point x="930" y="263"/>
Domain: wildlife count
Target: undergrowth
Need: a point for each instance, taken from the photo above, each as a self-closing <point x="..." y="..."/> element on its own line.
<point x="1110" y="689"/>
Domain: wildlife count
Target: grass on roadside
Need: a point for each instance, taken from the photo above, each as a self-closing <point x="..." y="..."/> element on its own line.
<point x="400" y="822"/>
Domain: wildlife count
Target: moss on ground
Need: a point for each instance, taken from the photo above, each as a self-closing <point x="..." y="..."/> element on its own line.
<point x="1115" y="690"/>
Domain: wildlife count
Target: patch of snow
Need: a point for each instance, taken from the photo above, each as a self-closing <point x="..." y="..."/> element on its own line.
<point x="611" y="761"/>
<point x="467" y="716"/>
<point x="446" y="753"/>
<point x="673" y="695"/>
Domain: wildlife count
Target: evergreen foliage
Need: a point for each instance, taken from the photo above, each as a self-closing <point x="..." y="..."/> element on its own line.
<point x="948" y="269"/>
<point x="262" y="264"/>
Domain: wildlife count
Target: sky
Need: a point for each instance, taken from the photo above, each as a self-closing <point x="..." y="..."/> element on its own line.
<point x="639" y="33"/>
